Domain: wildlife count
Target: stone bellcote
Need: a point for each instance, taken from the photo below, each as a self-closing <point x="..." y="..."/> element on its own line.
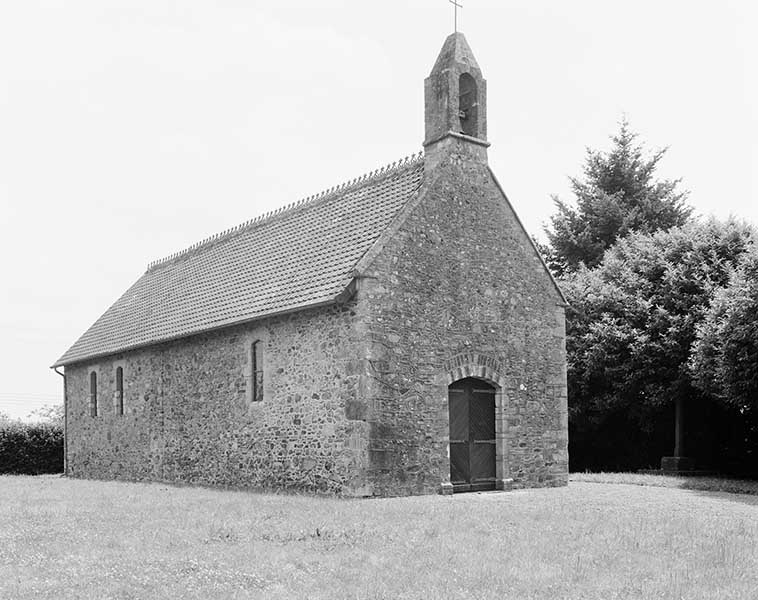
<point x="456" y="95"/>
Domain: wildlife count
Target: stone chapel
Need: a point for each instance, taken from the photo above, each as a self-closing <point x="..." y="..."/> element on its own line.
<point x="397" y="334"/>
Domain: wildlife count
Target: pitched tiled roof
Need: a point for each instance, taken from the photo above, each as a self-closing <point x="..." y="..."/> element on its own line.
<point x="296" y="257"/>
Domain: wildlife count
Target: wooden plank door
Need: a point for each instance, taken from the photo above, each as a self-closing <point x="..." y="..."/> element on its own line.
<point x="472" y="435"/>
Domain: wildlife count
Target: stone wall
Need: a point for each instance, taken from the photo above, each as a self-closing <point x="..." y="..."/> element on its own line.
<point x="461" y="278"/>
<point x="355" y="398"/>
<point x="189" y="419"/>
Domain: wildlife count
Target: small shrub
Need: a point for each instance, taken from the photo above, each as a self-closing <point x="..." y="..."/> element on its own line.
<point x="30" y="448"/>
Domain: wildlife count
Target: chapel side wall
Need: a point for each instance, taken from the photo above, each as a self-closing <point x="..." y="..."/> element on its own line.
<point x="460" y="279"/>
<point x="188" y="418"/>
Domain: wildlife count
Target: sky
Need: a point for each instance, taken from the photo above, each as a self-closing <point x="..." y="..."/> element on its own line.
<point x="131" y="129"/>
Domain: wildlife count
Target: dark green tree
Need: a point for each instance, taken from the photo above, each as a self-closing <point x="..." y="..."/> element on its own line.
<point x="617" y="195"/>
<point x="632" y="322"/>
<point x="725" y="354"/>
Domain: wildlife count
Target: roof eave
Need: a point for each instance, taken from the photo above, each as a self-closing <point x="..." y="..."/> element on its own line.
<point x="344" y="296"/>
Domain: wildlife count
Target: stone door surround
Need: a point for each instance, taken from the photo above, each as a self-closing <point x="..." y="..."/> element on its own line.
<point x="487" y="368"/>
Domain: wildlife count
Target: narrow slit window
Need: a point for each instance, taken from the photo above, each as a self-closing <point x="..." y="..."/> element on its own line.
<point x="119" y="391"/>
<point x="256" y="355"/>
<point x="93" y="394"/>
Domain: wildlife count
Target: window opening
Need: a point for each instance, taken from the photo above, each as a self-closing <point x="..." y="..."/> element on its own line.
<point x="257" y="371"/>
<point x="93" y="394"/>
<point x="119" y="391"/>
<point x="467" y="105"/>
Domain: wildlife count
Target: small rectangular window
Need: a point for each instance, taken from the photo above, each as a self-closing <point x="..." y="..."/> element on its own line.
<point x="93" y="394"/>
<point x="119" y="391"/>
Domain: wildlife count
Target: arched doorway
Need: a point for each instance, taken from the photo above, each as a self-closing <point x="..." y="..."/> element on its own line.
<point x="471" y="404"/>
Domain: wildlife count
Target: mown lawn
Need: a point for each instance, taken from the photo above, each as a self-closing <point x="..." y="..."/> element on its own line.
<point x="685" y="482"/>
<point x="63" y="538"/>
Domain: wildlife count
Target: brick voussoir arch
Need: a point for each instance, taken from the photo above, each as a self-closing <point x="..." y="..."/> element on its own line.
<point x="478" y="365"/>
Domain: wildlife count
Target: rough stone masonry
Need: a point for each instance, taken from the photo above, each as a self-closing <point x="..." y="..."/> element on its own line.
<point x="368" y="302"/>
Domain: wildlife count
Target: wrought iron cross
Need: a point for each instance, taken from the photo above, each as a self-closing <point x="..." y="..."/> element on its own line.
<point x="457" y="6"/>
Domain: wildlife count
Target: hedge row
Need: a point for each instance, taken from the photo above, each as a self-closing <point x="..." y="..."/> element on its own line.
<point x="31" y="448"/>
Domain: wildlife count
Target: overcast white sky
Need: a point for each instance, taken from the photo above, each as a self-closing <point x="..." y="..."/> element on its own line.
<point x="132" y="129"/>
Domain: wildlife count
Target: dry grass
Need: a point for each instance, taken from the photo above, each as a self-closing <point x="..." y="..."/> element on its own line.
<point x="64" y="538"/>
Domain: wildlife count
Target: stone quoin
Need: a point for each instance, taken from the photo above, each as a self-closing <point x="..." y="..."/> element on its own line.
<point x="398" y="334"/>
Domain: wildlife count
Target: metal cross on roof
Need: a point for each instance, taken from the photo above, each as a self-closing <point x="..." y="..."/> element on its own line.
<point x="457" y="6"/>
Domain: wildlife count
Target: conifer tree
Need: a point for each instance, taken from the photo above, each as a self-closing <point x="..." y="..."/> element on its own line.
<point x="617" y="195"/>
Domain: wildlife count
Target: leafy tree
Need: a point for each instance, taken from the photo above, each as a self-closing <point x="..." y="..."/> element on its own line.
<point x="618" y="195"/>
<point x="31" y="448"/>
<point x="632" y="322"/>
<point x="725" y="354"/>
<point x="50" y="413"/>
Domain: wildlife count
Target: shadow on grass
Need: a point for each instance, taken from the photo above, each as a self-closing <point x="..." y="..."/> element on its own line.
<point x="750" y="499"/>
<point x="736" y="490"/>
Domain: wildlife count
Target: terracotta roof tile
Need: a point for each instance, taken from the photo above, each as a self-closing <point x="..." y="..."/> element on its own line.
<point x="293" y="258"/>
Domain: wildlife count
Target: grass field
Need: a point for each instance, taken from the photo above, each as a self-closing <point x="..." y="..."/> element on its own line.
<point x="685" y="482"/>
<point x="63" y="538"/>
